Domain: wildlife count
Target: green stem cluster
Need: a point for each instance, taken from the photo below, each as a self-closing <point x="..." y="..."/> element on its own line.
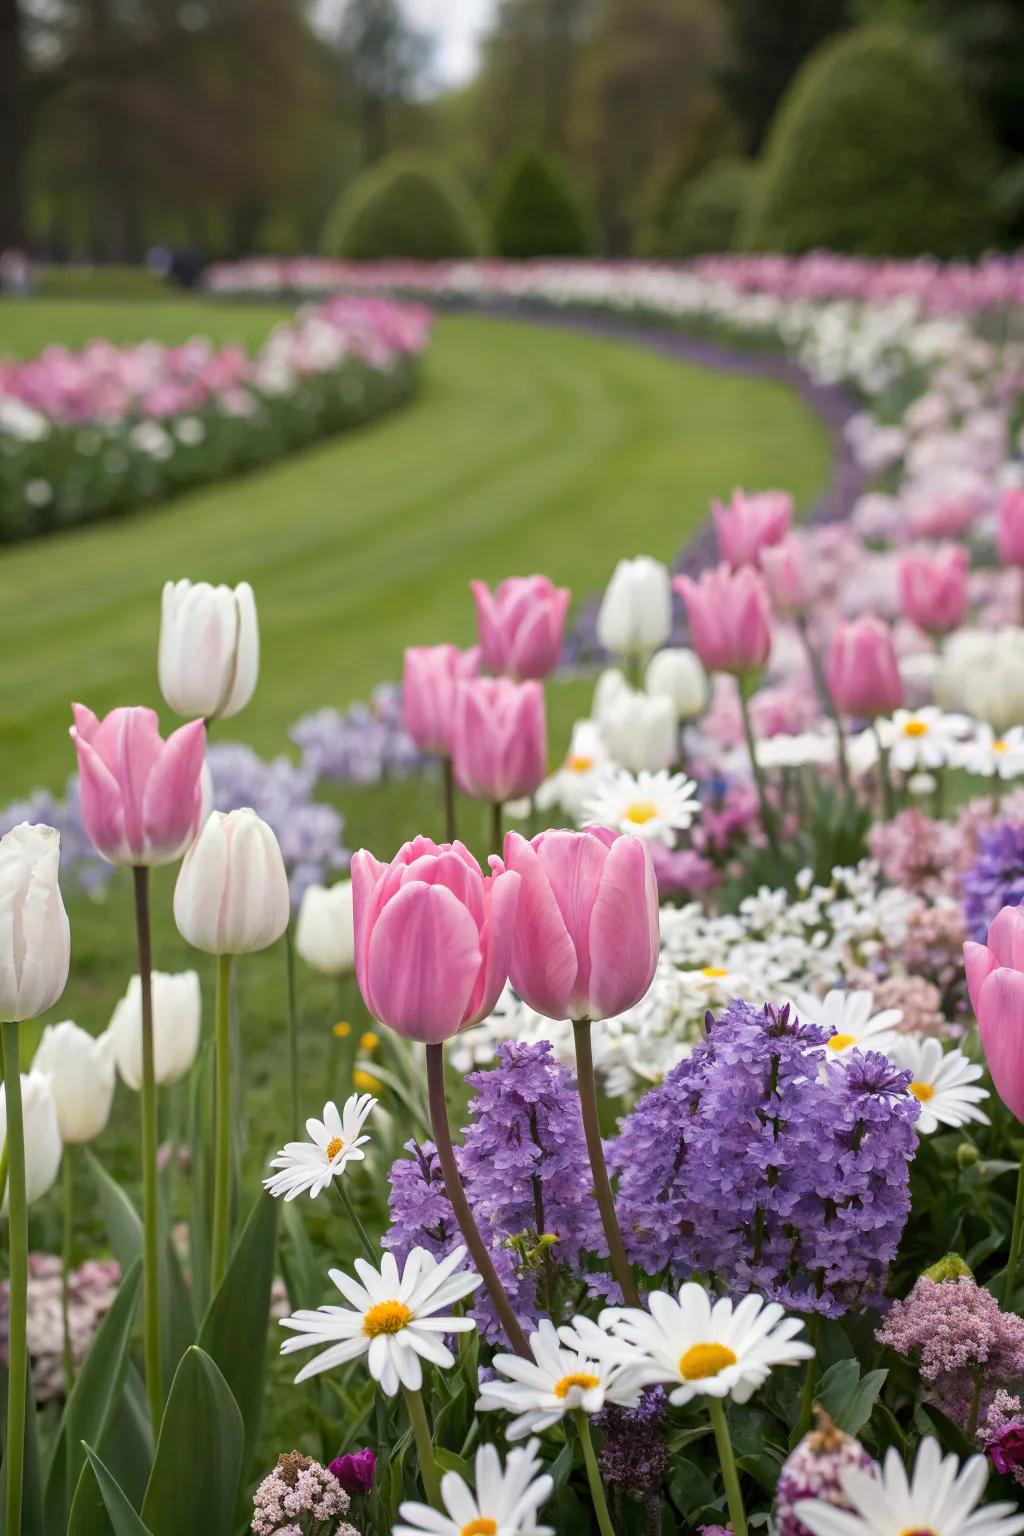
<point x="222" y="1146"/>
<point x="597" y="1493"/>
<point x="150" y="1203"/>
<point x="727" y="1461"/>
<point x="17" y="1228"/>
<point x="598" y="1167"/>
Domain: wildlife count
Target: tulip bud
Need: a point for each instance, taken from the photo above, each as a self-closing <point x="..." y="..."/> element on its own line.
<point x="862" y="671"/>
<point x="640" y="731"/>
<point x="785" y="571"/>
<point x="177" y="1009"/>
<point x="42" y="1135"/>
<point x="750" y="524"/>
<point x="730" y="619"/>
<point x="209" y="654"/>
<point x="1011" y="527"/>
<point x="430" y="679"/>
<point x="635" y="616"/>
<point x="499" y="745"/>
<point x="679" y="675"/>
<point x="324" y="933"/>
<point x="232" y="895"/>
<point x="933" y="588"/>
<point x="35" y="939"/>
<point x="142" y="797"/>
<point x="520" y="625"/>
<point x="81" y="1073"/>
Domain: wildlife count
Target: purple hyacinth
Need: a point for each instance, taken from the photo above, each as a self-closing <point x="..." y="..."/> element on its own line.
<point x="362" y="746"/>
<point x="995" y="879"/>
<point x="756" y="1164"/>
<point x="79" y="860"/>
<point x="634" y="1455"/>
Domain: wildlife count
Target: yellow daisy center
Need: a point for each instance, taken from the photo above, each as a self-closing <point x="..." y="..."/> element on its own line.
<point x="334" y="1146"/>
<point x="1000" y="746"/>
<point x="916" y="728"/>
<point x="386" y="1317"/>
<point x="922" y="1091"/>
<point x="578" y="762"/>
<point x="703" y="1360"/>
<point x="918" y="1530"/>
<point x="714" y="972"/>
<point x="577" y="1379"/>
<point x="342" y="1029"/>
<point x="369" y="1041"/>
<point x="483" y="1525"/>
<point x="840" y="1042"/>
<point x="641" y="811"/>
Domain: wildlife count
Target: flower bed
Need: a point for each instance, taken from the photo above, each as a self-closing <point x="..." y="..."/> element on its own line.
<point x="89" y="434"/>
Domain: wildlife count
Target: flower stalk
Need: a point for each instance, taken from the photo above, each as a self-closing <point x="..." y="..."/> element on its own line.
<point x="150" y="1205"/>
<point x="598" y="1167"/>
<point x="68" y="1197"/>
<point x="293" y="1027"/>
<point x="727" y="1461"/>
<point x="17" y="1228"/>
<point x="767" y="814"/>
<point x="597" y="1493"/>
<point x="417" y="1412"/>
<point x="222" y="1147"/>
<point x="448" y="781"/>
<point x="1017" y="1233"/>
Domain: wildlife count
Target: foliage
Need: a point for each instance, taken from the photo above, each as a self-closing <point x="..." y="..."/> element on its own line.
<point x="408" y="205"/>
<point x="711" y="209"/>
<point x="875" y="151"/>
<point x="537" y="210"/>
<point x="712" y="133"/>
<point x="767" y="45"/>
<point x="99" y="283"/>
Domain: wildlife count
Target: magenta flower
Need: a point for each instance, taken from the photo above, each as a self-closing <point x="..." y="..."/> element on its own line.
<point x="520" y="625"/>
<point x="862" y="672"/>
<point x="141" y="796"/>
<point x="356" y="1471"/>
<point x="499" y="744"/>
<point x="431" y="675"/>
<point x="933" y="587"/>
<point x="995" y="982"/>
<point x="586" y="937"/>
<point x="1011" y="527"/>
<point x="750" y="524"/>
<point x="432" y="937"/>
<point x="730" y="619"/>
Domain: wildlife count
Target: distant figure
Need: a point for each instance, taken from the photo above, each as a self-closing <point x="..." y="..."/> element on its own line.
<point x="187" y="266"/>
<point x="15" y="274"/>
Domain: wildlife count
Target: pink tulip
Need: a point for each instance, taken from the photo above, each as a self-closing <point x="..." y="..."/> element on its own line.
<point x="862" y="672"/>
<point x="730" y="618"/>
<point x="431" y="676"/>
<point x="499" y="744"/>
<point x="750" y="524"/>
<point x="995" y="983"/>
<point x="432" y="937"/>
<point x="586" y="935"/>
<point x="787" y="577"/>
<point x="933" y="587"/>
<point x="520" y="625"/>
<point x="1011" y="527"/>
<point x="141" y="796"/>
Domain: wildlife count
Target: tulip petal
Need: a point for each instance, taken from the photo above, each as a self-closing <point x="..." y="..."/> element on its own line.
<point x="624" y="936"/>
<point x="102" y="806"/>
<point x="979" y="962"/>
<point x="423" y="961"/>
<point x="1006" y="937"/>
<point x="496" y="942"/>
<point x="543" y="966"/>
<point x="171" y="797"/>
<point x="1001" y="1025"/>
<point x="247" y="652"/>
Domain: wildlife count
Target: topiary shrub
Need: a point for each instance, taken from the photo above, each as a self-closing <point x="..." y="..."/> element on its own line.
<point x="537" y="210"/>
<point x="710" y="210"/>
<point x="407" y="205"/>
<point x="875" y="150"/>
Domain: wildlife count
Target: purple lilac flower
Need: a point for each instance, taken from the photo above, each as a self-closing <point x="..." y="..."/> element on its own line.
<point x="299" y="1496"/>
<point x="362" y="746"/>
<point x="634" y="1455"/>
<point x="309" y="832"/>
<point x="995" y="879"/>
<point x="524" y="1164"/>
<point x="814" y="1470"/>
<point x="752" y="1165"/>
<point x="962" y="1341"/>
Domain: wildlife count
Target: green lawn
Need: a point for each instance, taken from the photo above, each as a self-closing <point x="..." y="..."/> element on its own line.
<point x="25" y="328"/>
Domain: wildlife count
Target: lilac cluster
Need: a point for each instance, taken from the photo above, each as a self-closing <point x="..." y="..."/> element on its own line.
<point x="309" y="832"/>
<point x="966" y="1348"/>
<point x="78" y="858"/>
<point x="525" y="1167"/>
<point x="1001" y="1434"/>
<point x="763" y="1168"/>
<point x="995" y="879"/>
<point x="814" y="1470"/>
<point x="634" y="1455"/>
<point x="91" y="1291"/>
<point x="300" y="1498"/>
<point x="365" y="745"/>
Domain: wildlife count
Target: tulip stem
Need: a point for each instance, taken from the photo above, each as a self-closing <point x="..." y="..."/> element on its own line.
<point x="424" y="1444"/>
<point x="597" y="1494"/>
<point x="293" y="1027"/>
<point x="150" y="1208"/>
<point x="598" y="1168"/>
<point x="448" y="775"/>
<point x="730" y="1477"/>
<point x="68" y="1195"/>
<point x="888" y="805"/>
<point x="1010" y="1280"/>
<point x="17" y="1229"/>
<point x="827" y="702"/>
<point x="222" y="1149"/>
<point x="460" y="1204"/>
<point x="767" y="814"/>
<point x="496" y="809"/>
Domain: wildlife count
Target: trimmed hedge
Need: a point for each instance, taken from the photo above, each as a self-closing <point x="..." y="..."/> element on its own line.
<point x="875" y="150"/>
<point x="407" y="205"/>
<point x="538" y="211"/>
<point x="710" y="210"/>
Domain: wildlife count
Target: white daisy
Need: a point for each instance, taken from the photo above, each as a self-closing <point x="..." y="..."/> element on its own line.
<point x="699" y="1344"/>
<point x="993" y="755"/>
<point x="394" y="1320"/>
<point x="571" y="784"/>
<point x="923" y="738"/>
<point x="850" y="1015"/>
<point x="506" y="1501"/>
<point x="809" y="748"/>
<point x="334" y="1142"/>
<point x="940" y="1499"/>
<point x="654" y="806"/>
<point x="941" y="1081"/>
<point x="562" y="1376"/>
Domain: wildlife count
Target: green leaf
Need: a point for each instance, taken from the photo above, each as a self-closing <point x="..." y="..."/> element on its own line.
<point x="128" y="1449"/>
<point x="177" y="1320"/>
<point x="234" y="1329"/>
<point x="100" y="1504"/>
<point x="32" y="1483"/>
<point x="94" y="1398"/>
<point x="119" y="1216"/>
<point x="846" y="1397"/>
<point x="194" y="1483"/>
<point x="303" y="1275"/>
<point x="448" y="1461"/>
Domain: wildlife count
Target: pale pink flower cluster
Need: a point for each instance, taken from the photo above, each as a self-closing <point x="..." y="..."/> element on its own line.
<point x="298" y="1497"/>
<point x="92" y="1289"/>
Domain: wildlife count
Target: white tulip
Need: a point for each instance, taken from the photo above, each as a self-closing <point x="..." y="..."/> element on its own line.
<point x="42" y="1135"/>
<point x="324" y="934"/>
<point x="678" y="674"/>
<point x="640" y="731"/>
<point x="177" y="1010"/>
<point x="35" y="940"/>
<point x="610" y="687"/>
<point x="981" y="672"/>
<point x="635" y="616"/>
<point x="80" y="1068"/>
<point x="232" y="892"/>
<point x="209" y="655"/>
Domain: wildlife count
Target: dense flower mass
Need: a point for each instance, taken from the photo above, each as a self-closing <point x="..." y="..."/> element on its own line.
<point x="995" y="879"/>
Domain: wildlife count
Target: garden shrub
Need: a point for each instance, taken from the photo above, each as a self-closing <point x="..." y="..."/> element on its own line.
<point x="537" y="209"/>
<point x="103" y="282"/>
<point x="709" y="212"/>
<point x="875" y="150"/>
<point x="408" y="205"/>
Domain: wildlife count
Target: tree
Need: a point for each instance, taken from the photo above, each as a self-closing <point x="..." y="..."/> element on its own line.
<point x="528" y="72"/>
<point x="12" y="127"/>
<point x="537" y="210"/>
<point x="768" y="42"/>
<point x="407" y="205"/>
<point x="385" y="57"/>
